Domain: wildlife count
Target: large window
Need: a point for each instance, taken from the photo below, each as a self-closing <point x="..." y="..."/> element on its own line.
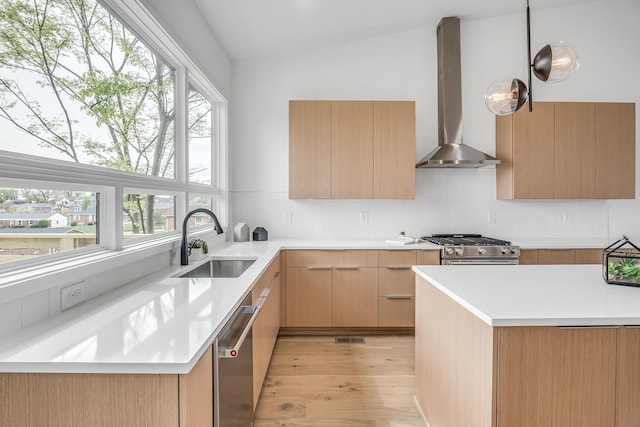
<point x="92" y="101"/>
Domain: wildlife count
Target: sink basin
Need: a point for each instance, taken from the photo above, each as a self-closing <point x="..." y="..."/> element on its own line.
<point x="216" y="267"/>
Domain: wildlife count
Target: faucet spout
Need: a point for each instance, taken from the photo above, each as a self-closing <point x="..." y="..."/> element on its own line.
<point x="184" y="256"/>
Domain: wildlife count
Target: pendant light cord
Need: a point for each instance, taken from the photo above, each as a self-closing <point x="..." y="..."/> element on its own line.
<point x="529" y="64"/>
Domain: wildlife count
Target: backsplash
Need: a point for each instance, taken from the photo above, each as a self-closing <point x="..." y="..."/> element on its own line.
<point x="461" y="200"/>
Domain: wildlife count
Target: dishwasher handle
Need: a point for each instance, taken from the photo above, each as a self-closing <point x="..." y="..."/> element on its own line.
<point x="232" y="351"/>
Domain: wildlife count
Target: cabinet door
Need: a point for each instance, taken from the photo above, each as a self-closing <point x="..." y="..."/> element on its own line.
<point x="99" y="400"/>
<point x="265" y="328"/>
<point x="309" y="149"/>
<point x="196" y="393"/>
<point x="556" y="256"/>
<point x="615" y="151"/>
<point x="550" y="376"/>
<point x="309" y="296"/>
<point x="628" y="378"/>
<point x="575" y="150"/>
<point x="533" y="152"/>
<point x="394" y="149"/>
<point x="352" y="149"/>
<point x="355" y="296"/>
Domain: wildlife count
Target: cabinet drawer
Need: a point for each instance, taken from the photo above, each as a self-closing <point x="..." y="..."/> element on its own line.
<point x="396" y="312"/>
<point x="356" y="258"/>
<point x="312" y="258"/>
<point x="397" y="258"/>
<point x="396" y="282"/>
<point x="428" y="257"/>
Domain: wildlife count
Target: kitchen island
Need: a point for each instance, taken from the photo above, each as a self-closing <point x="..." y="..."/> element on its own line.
<point x="533" y="346"/>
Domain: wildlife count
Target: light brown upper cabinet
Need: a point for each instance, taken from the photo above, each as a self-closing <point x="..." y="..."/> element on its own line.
<point x="309" y="149"/>
<point x="352" y="149"/>
<point x="567" y="150"/>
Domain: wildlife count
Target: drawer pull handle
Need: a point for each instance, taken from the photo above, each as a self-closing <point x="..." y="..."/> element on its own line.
<point x="319" y="267"/>
<point x="399" y="267"/>
<point x="347" y="267"/>
<point x="399" y="297"/>
<point x="276" y="274"/>
<point x="589" y="327"/>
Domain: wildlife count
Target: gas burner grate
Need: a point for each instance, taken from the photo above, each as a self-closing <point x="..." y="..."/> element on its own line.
<point x="464" y="240"/>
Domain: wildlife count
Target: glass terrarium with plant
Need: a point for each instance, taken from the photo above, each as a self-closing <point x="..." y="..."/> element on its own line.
<point x="621" y="263"/>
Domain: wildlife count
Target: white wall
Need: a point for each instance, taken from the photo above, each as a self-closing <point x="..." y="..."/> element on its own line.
<point x="403" y="66"/>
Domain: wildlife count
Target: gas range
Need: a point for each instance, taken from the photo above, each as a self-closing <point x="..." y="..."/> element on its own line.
<point x="461" y="249"/>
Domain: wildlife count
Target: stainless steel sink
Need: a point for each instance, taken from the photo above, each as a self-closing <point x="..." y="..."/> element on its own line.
<point x="220" y="267"/>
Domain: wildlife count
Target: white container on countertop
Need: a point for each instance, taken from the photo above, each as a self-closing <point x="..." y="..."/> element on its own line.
<point x="241" y="232"/>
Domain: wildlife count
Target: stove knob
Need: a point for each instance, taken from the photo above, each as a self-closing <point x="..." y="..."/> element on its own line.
<point x="515" y="251"/>
<point x="459" y="251"/>
<point x="505" y="250"/>
<point x="482" y="251"/>
<point x="449" y="251"/>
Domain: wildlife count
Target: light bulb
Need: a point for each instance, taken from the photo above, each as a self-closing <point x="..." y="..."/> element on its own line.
<point x="556" y="62"/>
<point x="505" y="96"/>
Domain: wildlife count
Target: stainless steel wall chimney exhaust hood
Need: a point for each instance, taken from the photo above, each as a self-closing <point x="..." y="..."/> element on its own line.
<point x="451" y="152"/>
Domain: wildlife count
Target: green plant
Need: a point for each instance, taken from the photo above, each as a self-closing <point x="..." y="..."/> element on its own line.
<point x="198" y="244"/>
<point x="626" y="269"/>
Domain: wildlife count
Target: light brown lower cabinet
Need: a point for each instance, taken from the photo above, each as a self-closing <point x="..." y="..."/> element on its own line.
<point x="561" y="256"/>
<point x="267" y="325"/>
<point x="553" y="376"/>
<point x="396" y="288"/>
<point x="469" y="373"/>
<point x="352" y="288"/>
<point x="355" y="297"/>
<point x="309" y="297"/>
<point x="107" y="400"/>
<point x="628" y="377"/>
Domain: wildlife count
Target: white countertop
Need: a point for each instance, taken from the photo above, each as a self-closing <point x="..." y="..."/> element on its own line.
<point x="537" y="295"/>
<point x="158" y="324"/>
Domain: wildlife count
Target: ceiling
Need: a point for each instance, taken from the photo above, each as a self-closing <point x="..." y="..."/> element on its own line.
<point x="258" y="28"/>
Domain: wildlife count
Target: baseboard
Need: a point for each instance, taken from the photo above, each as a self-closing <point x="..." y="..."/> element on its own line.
<point x="293" y="331"/>
<point x="415" y="401"/>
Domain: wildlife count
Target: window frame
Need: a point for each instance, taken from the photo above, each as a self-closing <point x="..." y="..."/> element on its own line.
<point x="28" y="171"/>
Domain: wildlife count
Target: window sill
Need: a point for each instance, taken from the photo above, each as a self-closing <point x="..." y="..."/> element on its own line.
<point x="23" y="282"/>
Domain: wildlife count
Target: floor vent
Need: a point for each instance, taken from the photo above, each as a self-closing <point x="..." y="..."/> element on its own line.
<point x="350" y="340"/>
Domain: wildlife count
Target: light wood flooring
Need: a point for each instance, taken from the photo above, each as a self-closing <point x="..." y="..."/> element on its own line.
<point x="312" y="381"/>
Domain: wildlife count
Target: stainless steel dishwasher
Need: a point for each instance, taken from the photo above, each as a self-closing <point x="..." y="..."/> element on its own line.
<point x="234" y="391"/>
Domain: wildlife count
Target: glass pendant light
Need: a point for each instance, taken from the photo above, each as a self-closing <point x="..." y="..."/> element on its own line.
<point x="555" y="62"/>
<point x="505" y="96"/>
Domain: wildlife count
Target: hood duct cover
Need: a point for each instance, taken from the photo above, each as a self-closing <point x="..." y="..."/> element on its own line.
<point x="451" y="152"/>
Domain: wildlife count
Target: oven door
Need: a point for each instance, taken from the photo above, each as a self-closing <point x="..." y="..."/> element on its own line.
<point x="480" y="261"/>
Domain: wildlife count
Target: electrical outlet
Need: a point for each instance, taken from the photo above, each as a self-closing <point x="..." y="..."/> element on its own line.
<point x="288" y="218"/>
<point x="364" y="217"/>
<point x="566" y="217"/>
<point x="71" y="295"/>
<point x="491" y="217"/>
